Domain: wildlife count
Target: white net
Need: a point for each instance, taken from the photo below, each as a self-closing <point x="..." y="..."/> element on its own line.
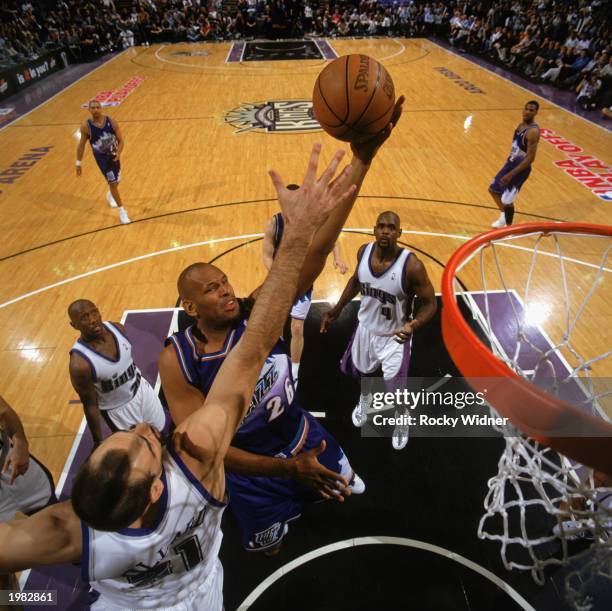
<point x="542" y="310"/>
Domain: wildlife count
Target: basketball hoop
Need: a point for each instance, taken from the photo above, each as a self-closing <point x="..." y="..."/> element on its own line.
<point x="532" y="477"/>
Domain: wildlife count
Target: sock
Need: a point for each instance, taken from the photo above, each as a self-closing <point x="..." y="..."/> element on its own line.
<point x="294" y="370"/>
<point x="509" y="214"/>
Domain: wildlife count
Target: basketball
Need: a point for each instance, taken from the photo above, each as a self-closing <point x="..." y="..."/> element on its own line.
<point x="353" y="98"/>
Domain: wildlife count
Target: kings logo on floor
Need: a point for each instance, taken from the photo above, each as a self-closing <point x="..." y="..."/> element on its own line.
<point x="275" y="117"/>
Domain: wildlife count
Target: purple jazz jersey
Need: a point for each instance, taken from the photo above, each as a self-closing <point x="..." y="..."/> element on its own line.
<point x="104" y="145"/>
<point x="518" y="152"/>
<point x="274" y="417"/>
<point x="275" y="425"/>
<point x="264" y="505"/>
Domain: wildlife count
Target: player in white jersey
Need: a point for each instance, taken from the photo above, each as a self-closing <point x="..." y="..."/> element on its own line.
<point x="145" y="519"/>
<point x="25" y="484"/>
<point x="105" y="376"/>
<point x="388" y="278"/>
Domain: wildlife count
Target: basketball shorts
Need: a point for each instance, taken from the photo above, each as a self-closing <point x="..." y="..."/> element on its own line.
<point x="300" y="308"/>
<point x="509" y="191"/>
<point x="29" y="493"/>
<point x="144" y="407"/>
<point x="264" y="505"/>
<point x="207" y="595"/>
<point x="111" y="169"/>
<point x="367" y="352"/>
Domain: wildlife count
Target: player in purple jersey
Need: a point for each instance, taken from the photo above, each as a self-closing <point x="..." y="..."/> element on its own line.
<point x="299" y="311"/>
<point x="509" y="180"/>
<point x="107" y="145"/>
<point x="281" y="457"/>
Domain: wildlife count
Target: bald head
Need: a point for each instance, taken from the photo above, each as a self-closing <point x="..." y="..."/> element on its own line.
<point x="389" y="216"/>
<point x="192" y="277"/>
<point x="76" y="307"/>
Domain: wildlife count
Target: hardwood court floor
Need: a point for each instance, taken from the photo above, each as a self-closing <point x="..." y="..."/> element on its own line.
<point x="189" y="179"/>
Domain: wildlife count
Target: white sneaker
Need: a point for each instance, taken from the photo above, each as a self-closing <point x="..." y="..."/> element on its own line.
<point x="400" y="433"/>
<point x="360" y="413"/>
<point x="111" y="200"/>
<point x="500" y="222"/>
<point x="123" y="216"/>
<point x="358" y="485"/>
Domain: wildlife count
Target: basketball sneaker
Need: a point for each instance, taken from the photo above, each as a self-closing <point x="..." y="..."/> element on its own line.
<point x="111" y="200"/>
<point x="123" y="216"/>
<point x="360" y="413"/>
<point x="357" y="485"/>
<point x="500" y="222"/>
<point x="400" y="433"/>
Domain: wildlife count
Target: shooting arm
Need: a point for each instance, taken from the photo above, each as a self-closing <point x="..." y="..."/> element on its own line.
<point x="52" y="536"/>
<point x="81" y="377"/>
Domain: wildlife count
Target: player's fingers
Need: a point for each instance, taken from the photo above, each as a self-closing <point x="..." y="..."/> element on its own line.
<point x="313" y="164"/>
<point x="277" y="181"/>
<point x="340" y="199"/>
<point x="397" y="110"/>
<point x="331" y="168"/>
<point x="321" y="447"/>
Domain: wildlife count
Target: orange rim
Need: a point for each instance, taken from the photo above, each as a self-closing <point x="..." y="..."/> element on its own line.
<point x="530" y="409"/>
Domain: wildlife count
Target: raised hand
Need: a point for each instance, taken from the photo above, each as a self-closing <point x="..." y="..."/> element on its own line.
<point x="307" y="208"/>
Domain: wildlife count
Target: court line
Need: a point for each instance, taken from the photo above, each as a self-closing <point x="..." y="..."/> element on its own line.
<point x="257" y="235"/>
<point x="403" y="48"/>
<point x="467" y="59"/>
<point x="382" y="540"/>
<point x="259" y="201"/>
<point x="64" y="89"/>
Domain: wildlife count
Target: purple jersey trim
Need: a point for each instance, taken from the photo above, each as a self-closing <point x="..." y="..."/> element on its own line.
<point x="83" y="355"/>
<point x="388" y="268"/>
<point x="116" y="327"/>
<point x="108" y="358"/>
<point x="180" y="357"/>
<point x="404" y="285"/>
<point x="143" y="532"/>
<point x="194" y="480"/>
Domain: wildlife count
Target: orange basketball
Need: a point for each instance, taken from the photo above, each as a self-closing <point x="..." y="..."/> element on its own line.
<point x="353" y="98"/>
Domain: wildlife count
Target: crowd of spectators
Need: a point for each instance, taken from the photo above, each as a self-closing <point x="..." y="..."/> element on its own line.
<point x="564" y="42"/>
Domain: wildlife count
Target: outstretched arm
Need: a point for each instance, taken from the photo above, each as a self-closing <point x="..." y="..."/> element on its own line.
<point x="353" y="176"/>
<point x="52" y="536"/>
<point x="18" y="457"/>
<point x="204" y="437"/>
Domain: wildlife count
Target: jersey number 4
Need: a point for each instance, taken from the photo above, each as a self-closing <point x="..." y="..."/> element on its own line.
<point x="385" y="312"/>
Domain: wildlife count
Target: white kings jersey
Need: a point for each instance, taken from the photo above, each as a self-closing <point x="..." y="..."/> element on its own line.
<point x="148" y="568"/>
<point x="116" y="380"/>
<point x="384" y="298"/>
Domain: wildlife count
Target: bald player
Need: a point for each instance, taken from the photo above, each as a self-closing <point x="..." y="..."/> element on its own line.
<point x="281" y="457"/>
<point x="105" y="376"/>
<point x="144" y="520"/>
<point x="388" y="277"/>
